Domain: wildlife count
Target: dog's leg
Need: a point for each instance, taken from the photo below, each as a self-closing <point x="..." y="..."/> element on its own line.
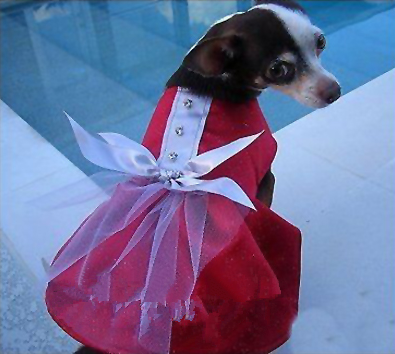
<point x="266" y="189"/>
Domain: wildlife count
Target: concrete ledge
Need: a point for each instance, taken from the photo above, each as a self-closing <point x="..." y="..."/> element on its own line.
<point x="335" y="174"/>
<point x="31" y="168"/>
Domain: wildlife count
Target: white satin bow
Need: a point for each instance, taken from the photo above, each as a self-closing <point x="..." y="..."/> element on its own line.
<point x="121" y="154"/>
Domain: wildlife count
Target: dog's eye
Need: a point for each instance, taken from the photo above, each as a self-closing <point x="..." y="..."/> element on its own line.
<point x="280" y="70"/>
<point x="321" y="42"/>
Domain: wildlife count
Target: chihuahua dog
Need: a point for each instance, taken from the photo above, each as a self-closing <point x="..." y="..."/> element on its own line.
<point x="274" y="45"/>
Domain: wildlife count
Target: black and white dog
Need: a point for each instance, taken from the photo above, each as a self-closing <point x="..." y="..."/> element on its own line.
<point x="273" y="44"/>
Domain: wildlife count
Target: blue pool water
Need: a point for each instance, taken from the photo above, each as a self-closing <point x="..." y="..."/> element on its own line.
<point x="106" y="62"/>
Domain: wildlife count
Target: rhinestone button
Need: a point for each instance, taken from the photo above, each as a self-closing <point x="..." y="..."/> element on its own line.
<point x="173" y="156"/>
<point x="179" y="131"/>
<point x="188" y="103"/>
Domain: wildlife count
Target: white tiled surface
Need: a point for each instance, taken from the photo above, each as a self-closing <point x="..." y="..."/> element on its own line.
<point x="30" y="166"/>
<point x="359" y="138"/>
<point x="20" y="142"/>
<point x="25" y="324"/>
<point x="33" y="167"/>
<point x="335" y="180"/>
<point x="307" y="180"/>
<point x="385" y="176"/>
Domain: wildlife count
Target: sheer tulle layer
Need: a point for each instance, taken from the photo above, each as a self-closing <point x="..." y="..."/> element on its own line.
<point x="139" y="255"/>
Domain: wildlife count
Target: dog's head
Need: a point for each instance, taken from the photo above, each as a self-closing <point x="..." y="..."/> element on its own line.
<point x="273" y="44"/>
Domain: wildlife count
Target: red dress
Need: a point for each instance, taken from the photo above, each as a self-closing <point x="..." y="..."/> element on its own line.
<point x="247" y="295"/>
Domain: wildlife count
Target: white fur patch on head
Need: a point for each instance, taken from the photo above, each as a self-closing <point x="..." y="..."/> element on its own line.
<point x="296" y="23"/>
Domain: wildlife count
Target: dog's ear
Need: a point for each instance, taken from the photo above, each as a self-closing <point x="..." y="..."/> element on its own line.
<point x="213" y="56"/>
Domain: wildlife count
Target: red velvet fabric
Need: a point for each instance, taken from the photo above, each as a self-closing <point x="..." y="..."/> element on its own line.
<point x="248" y="294"/>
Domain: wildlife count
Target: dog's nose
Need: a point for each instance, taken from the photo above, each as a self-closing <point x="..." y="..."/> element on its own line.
<point x="331" y="93"/>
